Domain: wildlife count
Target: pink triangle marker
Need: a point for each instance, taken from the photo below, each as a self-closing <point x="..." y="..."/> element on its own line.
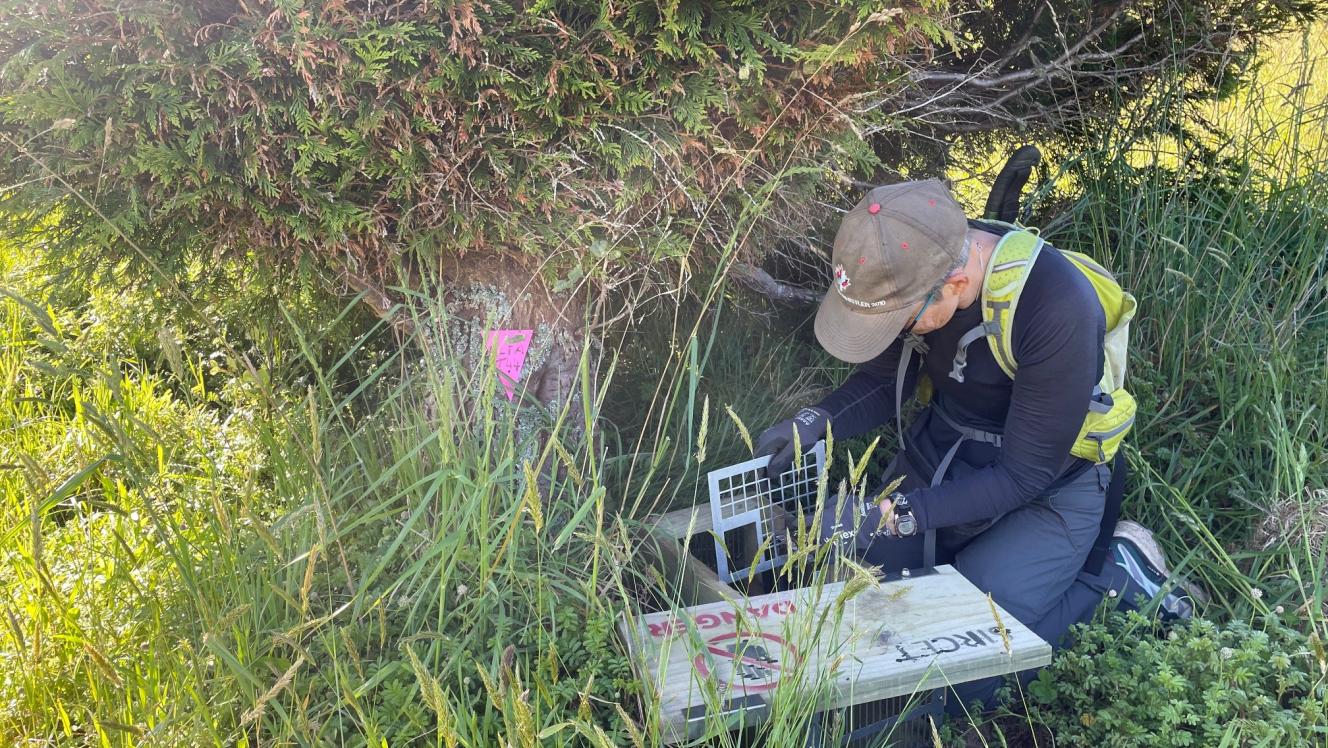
<point x="511" y="346"/>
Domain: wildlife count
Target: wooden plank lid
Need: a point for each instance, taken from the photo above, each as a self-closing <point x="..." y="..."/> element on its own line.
<point x="888" y="640"/>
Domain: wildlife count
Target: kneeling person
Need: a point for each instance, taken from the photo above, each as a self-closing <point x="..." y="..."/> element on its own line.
<point x="998" y="463"/>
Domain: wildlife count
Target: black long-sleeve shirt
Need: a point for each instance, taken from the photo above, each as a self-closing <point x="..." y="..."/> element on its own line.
<point x="1058" y="329"/>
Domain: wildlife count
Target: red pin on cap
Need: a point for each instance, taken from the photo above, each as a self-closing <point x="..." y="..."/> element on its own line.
<point x="874" y="208"/>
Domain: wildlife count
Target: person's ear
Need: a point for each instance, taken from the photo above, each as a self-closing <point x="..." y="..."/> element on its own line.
<point x="957" y="282"/>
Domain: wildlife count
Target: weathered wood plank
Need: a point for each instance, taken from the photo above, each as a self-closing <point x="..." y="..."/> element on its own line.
<point x="679" y="523"/>
<point x="890" y="640"/>
<point x="697" y="583"/>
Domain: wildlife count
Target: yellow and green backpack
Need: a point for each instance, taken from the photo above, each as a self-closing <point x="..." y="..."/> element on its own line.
<point x="1111" y="410"/>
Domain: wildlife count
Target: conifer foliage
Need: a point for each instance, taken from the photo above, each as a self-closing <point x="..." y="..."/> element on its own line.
<point x="572" y="142"/>
<point x="372" y="136"/>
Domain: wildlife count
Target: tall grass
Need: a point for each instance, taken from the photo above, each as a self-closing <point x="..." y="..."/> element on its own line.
<point x="347" y="567"/>
<point x="119" y="504"/>
<point x="1223" y="233"/>
<point x="369" y="547"/>
<point x="379" y="551"/>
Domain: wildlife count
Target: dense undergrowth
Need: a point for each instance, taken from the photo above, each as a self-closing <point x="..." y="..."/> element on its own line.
<point x="253" y="520"/>
<point x="1129" y="682"/>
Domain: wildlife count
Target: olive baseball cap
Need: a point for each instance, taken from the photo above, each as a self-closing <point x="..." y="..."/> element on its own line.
<point x="892" y="248"/>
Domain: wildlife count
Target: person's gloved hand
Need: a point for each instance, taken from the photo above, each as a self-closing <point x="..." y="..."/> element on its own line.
<point x="777" y="441"/>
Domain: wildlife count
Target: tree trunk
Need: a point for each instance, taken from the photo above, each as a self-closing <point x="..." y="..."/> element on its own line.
<point x="494" y="292"/>
<point x="480" y="294"/>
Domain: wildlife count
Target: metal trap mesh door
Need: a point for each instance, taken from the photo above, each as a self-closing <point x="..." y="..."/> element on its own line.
<point x="742" y="497"/>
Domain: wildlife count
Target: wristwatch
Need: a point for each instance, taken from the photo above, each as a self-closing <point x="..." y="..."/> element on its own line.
<point x="905" y="524"/>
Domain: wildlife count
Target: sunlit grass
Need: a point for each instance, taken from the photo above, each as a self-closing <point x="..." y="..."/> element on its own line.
<point x="1282" y="113"/>
<point x="206" y="549"/>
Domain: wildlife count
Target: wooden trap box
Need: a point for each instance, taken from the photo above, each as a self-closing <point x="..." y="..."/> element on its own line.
<point x="728" y="654"/>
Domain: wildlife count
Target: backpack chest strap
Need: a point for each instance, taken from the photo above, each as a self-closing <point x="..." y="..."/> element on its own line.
<point x="966" y="433"/>
<point x="961" y="353"/>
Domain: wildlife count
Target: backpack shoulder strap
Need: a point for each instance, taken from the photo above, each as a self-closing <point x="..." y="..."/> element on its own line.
<point x="1007" y="270"/>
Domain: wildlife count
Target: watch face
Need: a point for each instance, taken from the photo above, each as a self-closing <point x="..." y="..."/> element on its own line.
<point x="906" y="525"/>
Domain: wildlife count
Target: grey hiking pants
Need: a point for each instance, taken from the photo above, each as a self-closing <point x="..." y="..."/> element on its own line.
<point x="1029" y="559"/>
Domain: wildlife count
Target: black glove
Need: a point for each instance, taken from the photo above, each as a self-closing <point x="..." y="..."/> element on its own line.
<point x="777" y="441"/>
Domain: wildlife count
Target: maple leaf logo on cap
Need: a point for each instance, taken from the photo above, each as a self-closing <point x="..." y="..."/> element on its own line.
<point x="841" y="277"/>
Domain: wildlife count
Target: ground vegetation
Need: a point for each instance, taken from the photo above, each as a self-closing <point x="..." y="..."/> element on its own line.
<point x="236" y="510"/>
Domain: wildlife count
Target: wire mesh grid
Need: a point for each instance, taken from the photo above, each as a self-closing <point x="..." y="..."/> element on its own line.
<point x="742" y="496"/>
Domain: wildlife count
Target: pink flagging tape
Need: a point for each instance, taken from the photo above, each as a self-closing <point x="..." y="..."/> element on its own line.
<point x="511" y="347"/>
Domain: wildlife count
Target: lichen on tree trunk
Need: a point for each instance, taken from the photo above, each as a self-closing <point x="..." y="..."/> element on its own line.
<point x="483" y="294"/>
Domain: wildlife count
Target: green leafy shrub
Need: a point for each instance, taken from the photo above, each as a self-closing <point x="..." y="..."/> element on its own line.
<point x="356" y="133"/>
<point x="1128" y="682"/>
